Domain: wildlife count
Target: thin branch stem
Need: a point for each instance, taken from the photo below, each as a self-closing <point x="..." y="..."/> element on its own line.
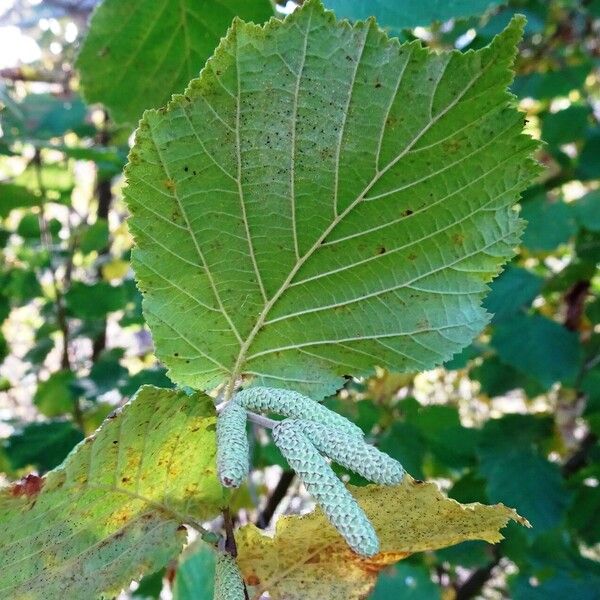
<point x="279" y="493"/>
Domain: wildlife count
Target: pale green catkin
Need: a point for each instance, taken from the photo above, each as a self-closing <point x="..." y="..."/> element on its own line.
<point x="233" y="450"/>
<point x="294" y="405"/>
<point x="321" y="482"/>
<point x="229" y="584"/>
<point x="354" y="453"/>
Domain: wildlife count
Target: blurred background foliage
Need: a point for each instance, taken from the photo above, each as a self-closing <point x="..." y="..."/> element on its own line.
<point x="515" y="418"/>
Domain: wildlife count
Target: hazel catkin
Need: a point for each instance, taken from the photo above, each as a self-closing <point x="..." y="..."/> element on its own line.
<point x="321" y="482"/>
<point x="229" y="584"/>
<point x="294" y="405"/>
<point x="233" y="450"/>
<point x="353" y="453"/>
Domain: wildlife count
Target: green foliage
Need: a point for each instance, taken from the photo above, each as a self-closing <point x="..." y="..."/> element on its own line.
<point x="402" y="14"/>
<point x="155" y="49"/>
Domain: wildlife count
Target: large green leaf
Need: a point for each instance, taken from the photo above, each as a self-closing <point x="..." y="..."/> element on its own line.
<point x="402" y="14"/>
<point x="114" y="509"/>
<point x="137" y="53"/>
<point x="322" y="200"/>
<point x="16" y="196"/>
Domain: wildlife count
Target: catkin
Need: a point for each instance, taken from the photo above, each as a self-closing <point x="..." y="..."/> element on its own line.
<point x="233" y="451"/>
<point x="229" y="584"/>
<point x="321" y="482"/>
<point x="354" y="453"/>
<point x="294" y="405"/>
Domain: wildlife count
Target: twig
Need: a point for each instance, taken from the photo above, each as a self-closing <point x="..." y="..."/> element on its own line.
<point x="61" y="318"/>
<point x="579" y="458"/>
<point x="278" y="494"/>
<point x="230" y="545"/>
<point x="104" y="192"/>
<point x="575" y="303"/>
<point x="473" y="585"/>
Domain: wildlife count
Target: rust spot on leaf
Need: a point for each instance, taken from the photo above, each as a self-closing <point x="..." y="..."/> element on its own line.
<point x="28" y="486"/>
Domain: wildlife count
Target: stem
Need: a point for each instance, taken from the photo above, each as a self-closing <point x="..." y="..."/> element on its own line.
<point x="61" y="318"/>
<point x="104" y="192"/>
<point x="278" y="494"/>
<point x="260" y="420"/>
<point x="475" y="582"/>
<point x="230" y="545"/>
<point x="251" y="416"/>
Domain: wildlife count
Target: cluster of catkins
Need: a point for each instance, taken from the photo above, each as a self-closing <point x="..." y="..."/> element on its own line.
<point x="309" y="432"/>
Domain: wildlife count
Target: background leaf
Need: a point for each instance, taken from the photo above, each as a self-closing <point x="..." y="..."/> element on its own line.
<point x="402" y="14"/>
<point x="138" y="53"/>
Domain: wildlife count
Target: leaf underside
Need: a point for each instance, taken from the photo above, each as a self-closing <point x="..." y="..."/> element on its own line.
<point x="322" y="200"/>
<point x="137" y="53"/>
<point x="114" y="509"/>
<point x="307" y="559"/>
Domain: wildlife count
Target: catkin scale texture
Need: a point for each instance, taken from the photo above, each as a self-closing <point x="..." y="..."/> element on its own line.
<point x="321" y="482"/>
<point x="294" y="405"/>
<point x="233" y="450"/>
<point x="228" y="579"/>
<point x="354" y="453"/>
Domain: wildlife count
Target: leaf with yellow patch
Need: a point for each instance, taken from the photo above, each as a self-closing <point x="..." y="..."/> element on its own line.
<point x="116" y="506"/>
<point x="307" y="559"/>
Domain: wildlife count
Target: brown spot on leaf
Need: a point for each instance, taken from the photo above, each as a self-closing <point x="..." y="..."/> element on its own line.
<point x="28" y="486"/>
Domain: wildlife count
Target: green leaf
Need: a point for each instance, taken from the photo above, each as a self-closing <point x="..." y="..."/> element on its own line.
<point x="55" y="397"/>
<point x="589" y="158"/>
<point x="406" y="582"/>
<point x="566" y="125"/>
<point x="195" y="574"/>
<point x="404" y="442"/>
<point x="402" y="14"/>
<point x="523" y="479"/>
<point x="294" y="225"/>
<point x="497" y="378"/>
<point x="42" y="445"/>
<point x="43" y="116"/>
<point x="549" y="224"/>
<point x="518" y="475"/>
<point x="559" y="586"/>
<point x="16" y="196"/>
<point x="92" y="301"/>
<point x="116" y="506"/>
<point x="20" y="286"/>
<point x="95" y="237"/>
<point x="138" y="53"/>
<point x="587" y="211"/>
<point x="106" y="374"/>
<point x="551" y="84"/>
<point x="538" y="347"/>
<point x="514" y="289"/>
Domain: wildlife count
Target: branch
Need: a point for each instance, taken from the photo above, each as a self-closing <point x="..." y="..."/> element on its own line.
<point x="478" y="578"/>
<point x="278" y="494"/>
<point x="579" y="458"/>
<point x="104" y="192"/>
<point x="230" y="545"/>
<point x="575" y="303"/>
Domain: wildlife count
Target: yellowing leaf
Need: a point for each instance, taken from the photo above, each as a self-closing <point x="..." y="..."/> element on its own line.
<point x="307" y="559"/>
<point x="115" y="269"/>
<point x="114" y="509"/>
